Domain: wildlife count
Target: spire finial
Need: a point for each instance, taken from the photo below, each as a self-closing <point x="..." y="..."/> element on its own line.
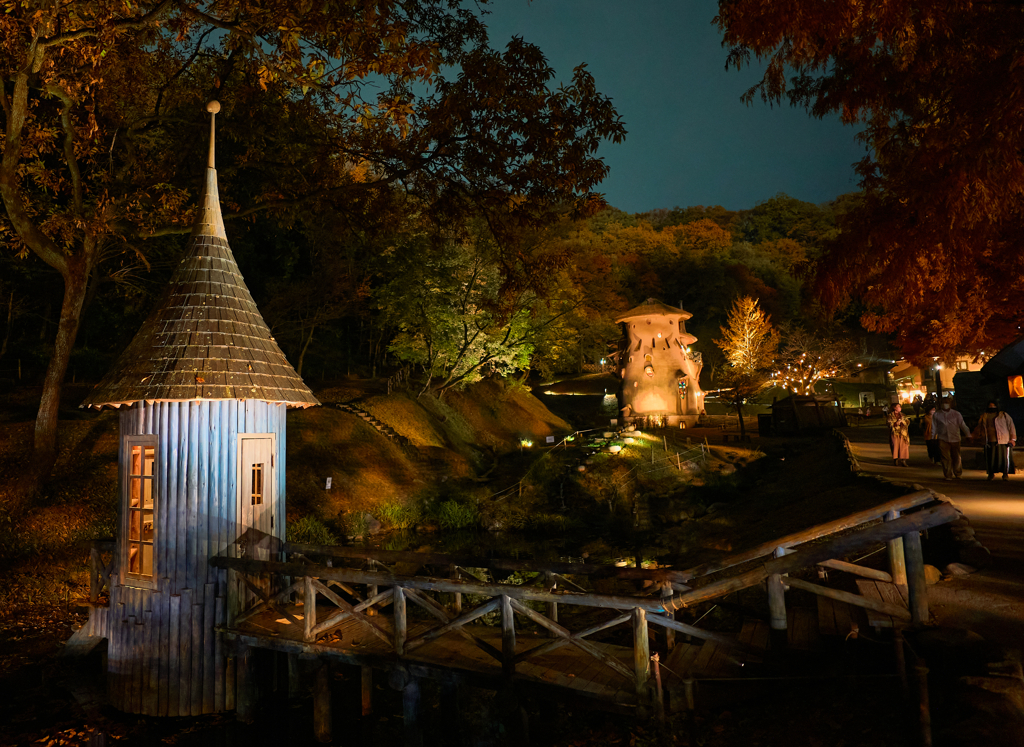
<point x="212" y="107"/>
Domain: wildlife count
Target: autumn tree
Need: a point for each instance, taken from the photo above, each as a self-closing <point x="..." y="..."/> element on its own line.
<point x="807" y="358"/>
<point x="933" y="248"/>
<point x="101" y="106"/>
<point x="749" y="342"/>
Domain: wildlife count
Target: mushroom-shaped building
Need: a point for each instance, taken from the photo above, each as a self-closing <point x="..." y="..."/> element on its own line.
<point x="659" y="373"/>
<point x="203" y="390"/>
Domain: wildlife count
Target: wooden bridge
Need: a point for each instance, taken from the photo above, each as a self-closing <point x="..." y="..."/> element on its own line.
<point x="416" y="615"/>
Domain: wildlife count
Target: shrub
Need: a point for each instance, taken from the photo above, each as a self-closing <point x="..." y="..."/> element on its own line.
<point x="455" y="515"/>
<point x="309" y="530"/>
<point x="399" y="515"/>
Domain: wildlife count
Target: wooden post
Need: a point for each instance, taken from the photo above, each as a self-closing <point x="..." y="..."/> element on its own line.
<point x="551" y="584"/>
<point x="371" y="592"/>
<point x="456" y="597"/>
<point x="367" y="691"/>
<point x="659" y="700"/>
<point x="410" y="712"/>
<point x="245" y="697"/>
<point x="916" y="584"/>
<point x="897" y="561"/>
<point x="508" y="638"/>
<point x="776" y="602"/>
<point x="901" y="659"/>
<point x="925" y="712"/>
<point x="294" y="676"/>
<point x="401" y="629"/>
<point x="322" y="704"/>
<point x="308" y="608"/>
<point x="670" y="634"/>
<point x="641" y="654"/>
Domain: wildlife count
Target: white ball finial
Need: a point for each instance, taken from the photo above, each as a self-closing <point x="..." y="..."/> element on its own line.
<point x="213" y="107"/>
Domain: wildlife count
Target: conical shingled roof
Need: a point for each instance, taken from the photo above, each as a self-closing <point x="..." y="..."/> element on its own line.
<point x="652" y="306"/>
<point x="205" y="340"/>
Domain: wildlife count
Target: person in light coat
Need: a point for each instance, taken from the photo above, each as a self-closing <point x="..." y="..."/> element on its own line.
<point x="947" y="426"/>
<point x="899" y="436"/>
<point x="996" y="430"/>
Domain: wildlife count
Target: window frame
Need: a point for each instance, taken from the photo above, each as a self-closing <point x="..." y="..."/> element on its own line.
<point x="137" y="580"/>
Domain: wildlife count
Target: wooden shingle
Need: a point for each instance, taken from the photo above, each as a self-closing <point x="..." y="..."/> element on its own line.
<point x="205" y="339"/>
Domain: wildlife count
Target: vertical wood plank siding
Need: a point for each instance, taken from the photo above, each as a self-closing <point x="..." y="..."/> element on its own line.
<point x="164" y="657"/>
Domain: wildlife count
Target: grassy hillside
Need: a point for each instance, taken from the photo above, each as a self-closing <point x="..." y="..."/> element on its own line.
<point x="451" y="443"/>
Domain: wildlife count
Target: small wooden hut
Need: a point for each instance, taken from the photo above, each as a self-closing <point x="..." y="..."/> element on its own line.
<point x="202" y="390"/>
<point x="660" y="374"/>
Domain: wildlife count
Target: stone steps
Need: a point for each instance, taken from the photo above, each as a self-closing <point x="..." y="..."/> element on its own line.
<point x="383" y="428"/>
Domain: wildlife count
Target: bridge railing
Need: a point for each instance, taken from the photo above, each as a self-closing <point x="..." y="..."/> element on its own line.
<point x="334" y="595"/>
<point x="102" y="568"/>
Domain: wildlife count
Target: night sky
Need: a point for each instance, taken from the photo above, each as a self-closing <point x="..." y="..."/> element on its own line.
<point x="691" y="140"/>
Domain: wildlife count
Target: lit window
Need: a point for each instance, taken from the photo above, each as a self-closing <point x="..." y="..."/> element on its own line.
<point x="1016" y="386"/>
<point x="140" y="511"/>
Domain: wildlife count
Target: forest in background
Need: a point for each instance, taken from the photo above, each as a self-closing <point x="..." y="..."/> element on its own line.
<point x="370" y="295"/>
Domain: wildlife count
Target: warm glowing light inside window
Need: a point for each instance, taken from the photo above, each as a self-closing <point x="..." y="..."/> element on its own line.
<point x="1016" y="386"/>
<point x="141" y="510"/>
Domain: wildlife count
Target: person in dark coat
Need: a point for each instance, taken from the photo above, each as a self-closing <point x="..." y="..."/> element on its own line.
<point x="930" y="439"/>
<point x="996" y="430"/>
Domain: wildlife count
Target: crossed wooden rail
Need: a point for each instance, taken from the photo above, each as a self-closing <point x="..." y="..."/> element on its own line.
<point x="355" y="594"/>
<point x="314" y="581"/>
<point x="100" y="571"/>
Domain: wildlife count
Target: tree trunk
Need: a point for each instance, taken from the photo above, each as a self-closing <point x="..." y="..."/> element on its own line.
<point x="45" y="442"/>
<point x="739" y="414"/>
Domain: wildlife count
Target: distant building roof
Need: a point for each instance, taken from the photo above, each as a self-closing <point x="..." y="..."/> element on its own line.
<point x="205" y="340"/>
<point x="1007" y="362"/>
<point x="652" y="307"/>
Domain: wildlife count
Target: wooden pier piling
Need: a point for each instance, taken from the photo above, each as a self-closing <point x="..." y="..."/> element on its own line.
<point x="322" y="723"/>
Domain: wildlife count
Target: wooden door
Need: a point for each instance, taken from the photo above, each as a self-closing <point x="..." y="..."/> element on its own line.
<point x="256" y="503"/>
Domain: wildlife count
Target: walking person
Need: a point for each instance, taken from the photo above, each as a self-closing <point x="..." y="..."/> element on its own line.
<point x="947" y="425"/>
<point x="996" y="430"/>
<point x="930" y="440"/>
<point x="899" y="436"/>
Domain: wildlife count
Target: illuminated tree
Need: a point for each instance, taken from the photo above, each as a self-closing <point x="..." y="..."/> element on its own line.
<point x="806" y="359"/>
<point x="749" y="342"/>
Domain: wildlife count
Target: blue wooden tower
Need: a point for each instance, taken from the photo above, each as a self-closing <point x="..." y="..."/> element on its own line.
<point x="202" y="390"/>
